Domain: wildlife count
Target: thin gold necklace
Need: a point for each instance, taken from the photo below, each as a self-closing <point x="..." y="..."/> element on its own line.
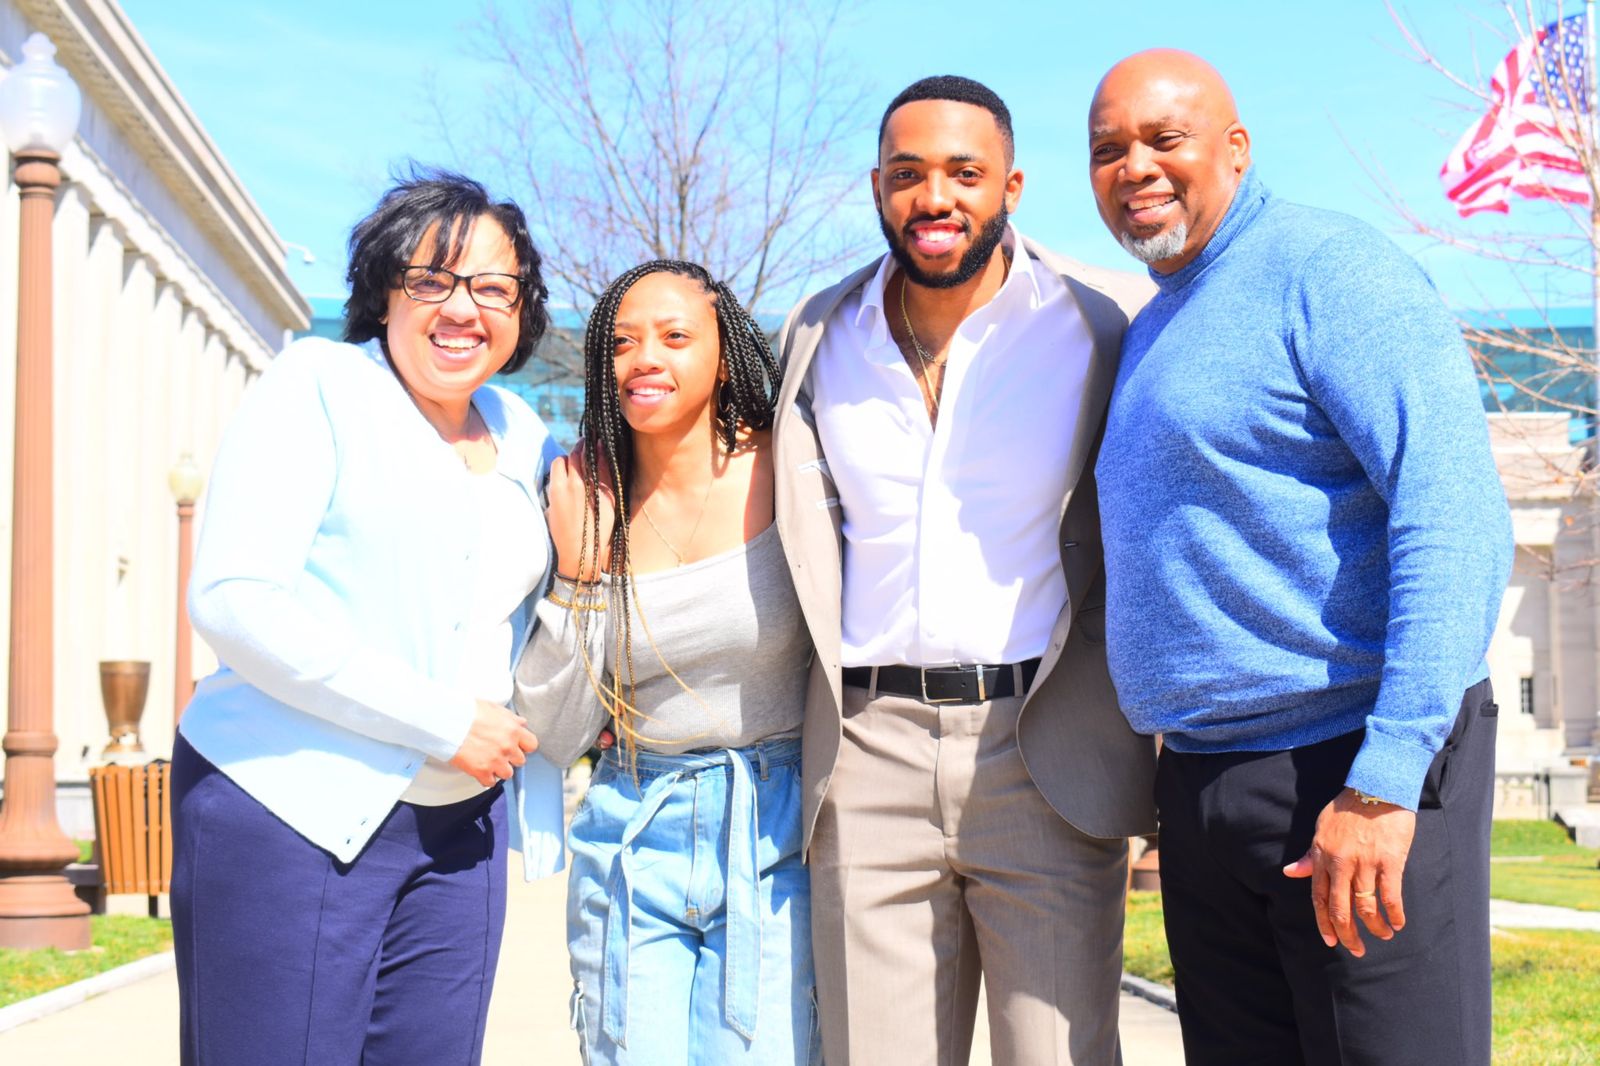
<point x="922" y="353"/>
<point x="689" y="545"/>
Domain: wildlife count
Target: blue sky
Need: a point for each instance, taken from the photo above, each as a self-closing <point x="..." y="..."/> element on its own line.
<point x="313" y="103"/>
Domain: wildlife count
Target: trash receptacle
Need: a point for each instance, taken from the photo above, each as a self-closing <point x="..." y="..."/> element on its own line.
<point x="133" y="821"/>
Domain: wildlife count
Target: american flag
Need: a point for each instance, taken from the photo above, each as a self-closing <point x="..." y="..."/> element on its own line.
<point x="1539" y="89"/>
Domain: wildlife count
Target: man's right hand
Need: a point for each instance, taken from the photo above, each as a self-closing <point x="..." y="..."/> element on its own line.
<point x="497" y="743"/>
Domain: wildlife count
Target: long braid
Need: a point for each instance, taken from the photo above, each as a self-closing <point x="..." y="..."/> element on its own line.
<point x="745" y="401"/>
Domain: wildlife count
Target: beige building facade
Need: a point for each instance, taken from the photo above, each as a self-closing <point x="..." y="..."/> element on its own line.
<point x="1543" y="661"/>
<point x="170" y="296"/>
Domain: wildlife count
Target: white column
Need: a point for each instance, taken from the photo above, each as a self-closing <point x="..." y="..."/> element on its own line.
<point x="1549" y="682"/>
<point x="77" y="698"/>
<point x="153" y="567"/>
<point x="123" y="458"/>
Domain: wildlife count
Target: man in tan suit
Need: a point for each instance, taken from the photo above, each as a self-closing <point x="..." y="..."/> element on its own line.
<point x="970" y="782"/>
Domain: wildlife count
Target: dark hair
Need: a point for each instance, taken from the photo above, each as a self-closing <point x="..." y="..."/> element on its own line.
<point x="962" y="91"/>
<point x="745" y="400"/>
<point x="381" y="246"/>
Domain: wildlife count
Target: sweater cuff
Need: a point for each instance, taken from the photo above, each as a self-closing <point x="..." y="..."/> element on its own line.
<point x="1390" y="769"/>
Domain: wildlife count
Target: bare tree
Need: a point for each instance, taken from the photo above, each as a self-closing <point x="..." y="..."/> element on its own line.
<point x="641" y="129"/>
<point x="1541" y="373"/>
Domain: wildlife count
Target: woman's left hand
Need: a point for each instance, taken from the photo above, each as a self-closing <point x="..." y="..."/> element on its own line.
<point x="498" y="742"/>
<point x="568" y="513"/>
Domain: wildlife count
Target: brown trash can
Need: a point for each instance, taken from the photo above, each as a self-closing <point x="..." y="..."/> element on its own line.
<point x="133" y="823"/>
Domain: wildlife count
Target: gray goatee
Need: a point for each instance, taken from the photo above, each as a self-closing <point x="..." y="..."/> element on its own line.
<point x="1164" y="245"/>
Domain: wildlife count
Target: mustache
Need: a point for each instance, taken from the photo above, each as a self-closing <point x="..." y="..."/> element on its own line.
<point x="965" y="224"/>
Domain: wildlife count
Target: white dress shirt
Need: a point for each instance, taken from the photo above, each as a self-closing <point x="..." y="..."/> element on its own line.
<point x="951" y="550"/>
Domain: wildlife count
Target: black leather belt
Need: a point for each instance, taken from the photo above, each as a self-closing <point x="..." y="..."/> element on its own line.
<point x="945" y="684"/>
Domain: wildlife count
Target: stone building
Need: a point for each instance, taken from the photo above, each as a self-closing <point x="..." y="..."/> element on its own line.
<point x="1543" y="660"/>
<point x="171" y="294"/>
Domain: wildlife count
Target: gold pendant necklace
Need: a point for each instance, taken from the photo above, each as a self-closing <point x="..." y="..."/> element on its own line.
<point x="701" y="517"/>
<point x="922" y="353"/>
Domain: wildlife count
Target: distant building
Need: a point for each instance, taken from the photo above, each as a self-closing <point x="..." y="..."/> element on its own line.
<point x="171" y="295"/>
<point x="1545" y="657"/>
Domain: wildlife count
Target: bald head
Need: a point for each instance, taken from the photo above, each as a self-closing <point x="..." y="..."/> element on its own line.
<point x="1166" y="152"/>
<point x="1170" y="72"/>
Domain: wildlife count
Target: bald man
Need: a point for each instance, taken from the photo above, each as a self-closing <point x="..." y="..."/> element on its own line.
<point x="1306" y="544"/>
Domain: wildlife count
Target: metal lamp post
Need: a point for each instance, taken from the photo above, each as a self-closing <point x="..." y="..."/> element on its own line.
<point x="186" y="483"/>
<point x="39" y="110"/>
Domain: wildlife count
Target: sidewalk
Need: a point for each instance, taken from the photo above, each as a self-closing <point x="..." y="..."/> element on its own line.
<point x="1504" y="914"/>
<point x="527" y="1019"/>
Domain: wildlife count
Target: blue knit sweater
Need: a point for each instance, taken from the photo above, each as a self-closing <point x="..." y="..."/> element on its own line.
<point x="1305" y="534"/>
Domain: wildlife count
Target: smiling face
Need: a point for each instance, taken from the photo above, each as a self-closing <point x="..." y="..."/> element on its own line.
<point x="445" y="351"/>
<point x="668" y="354"/>
<point x="944" y="188"/>
<point x="1166" y="152"/>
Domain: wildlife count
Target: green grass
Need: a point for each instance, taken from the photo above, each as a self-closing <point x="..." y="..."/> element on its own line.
<point x="85" y="850"/>
<point x="1144" y="939"/>
<point x="1546" y="986"/>
<point x="117" y="939"/>
<point x="1561" y="874"/>
<point x="1546" y="997"/>
<point x="1528" y="838"/>
<point x="1571" y="880"/>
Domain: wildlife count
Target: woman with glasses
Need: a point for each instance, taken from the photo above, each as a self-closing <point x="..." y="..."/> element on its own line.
<point x="673" y="615"/>
<point x="371" y="543"/>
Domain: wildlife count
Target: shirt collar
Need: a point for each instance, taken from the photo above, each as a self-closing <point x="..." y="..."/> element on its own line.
<point x="1247" y="201"/>
<point x="1021" y="284"/>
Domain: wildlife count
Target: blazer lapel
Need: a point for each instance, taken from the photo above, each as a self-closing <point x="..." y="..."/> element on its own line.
<point x="807" y="503"/>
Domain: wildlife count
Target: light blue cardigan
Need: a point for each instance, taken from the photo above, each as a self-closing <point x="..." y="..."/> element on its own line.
<point x="334" y="573"/>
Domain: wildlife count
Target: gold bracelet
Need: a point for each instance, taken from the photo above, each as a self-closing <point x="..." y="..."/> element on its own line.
<point x="575" y="604"/>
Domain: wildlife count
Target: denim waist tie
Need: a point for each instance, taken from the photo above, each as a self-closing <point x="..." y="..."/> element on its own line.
<point x="742" y="898"/>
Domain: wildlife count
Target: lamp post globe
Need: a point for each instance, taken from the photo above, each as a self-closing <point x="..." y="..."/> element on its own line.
<point x="39" y="111"/>
<point x="39" y="103"/>
<point x="185" y="480"/>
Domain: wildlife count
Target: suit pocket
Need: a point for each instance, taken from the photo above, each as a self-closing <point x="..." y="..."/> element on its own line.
<point x="1442" y="773"/>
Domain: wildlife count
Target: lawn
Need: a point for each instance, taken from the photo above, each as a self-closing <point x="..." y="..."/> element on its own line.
<point x="1557" y="872"/>
<point x="1546" y="986"/>
<point x="117" y="939"/>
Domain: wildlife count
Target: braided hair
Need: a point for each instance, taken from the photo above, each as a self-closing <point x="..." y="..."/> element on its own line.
<point x="746" y="399"/>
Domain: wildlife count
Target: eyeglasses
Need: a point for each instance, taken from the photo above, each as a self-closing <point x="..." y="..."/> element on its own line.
<point x="431" y="285"/>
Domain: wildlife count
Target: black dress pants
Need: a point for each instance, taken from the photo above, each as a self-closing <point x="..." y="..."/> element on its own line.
<point x="1256" y="985"/>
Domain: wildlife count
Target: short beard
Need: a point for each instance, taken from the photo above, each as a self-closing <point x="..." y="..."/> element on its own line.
<point x="1163" y="246"/>
<point x="973" y="259"/>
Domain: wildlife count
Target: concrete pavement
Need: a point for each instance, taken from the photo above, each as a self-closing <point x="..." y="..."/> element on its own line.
<point x="137" y="1025"/>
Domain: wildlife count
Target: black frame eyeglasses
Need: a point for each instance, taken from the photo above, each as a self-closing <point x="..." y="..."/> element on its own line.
<point x="426" y="284"/>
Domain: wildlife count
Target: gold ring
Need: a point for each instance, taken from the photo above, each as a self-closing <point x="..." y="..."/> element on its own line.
<point x="1364" y="895"/>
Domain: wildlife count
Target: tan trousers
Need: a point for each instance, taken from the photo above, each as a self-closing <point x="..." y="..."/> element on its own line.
<point x="935" y="861"/>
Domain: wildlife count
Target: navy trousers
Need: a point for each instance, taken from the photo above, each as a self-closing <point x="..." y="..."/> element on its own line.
<point x="1256" y="985"/>
<point x="286" y="955"/>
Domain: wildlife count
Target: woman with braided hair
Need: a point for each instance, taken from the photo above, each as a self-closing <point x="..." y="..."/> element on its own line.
<point x="673" y="618"/>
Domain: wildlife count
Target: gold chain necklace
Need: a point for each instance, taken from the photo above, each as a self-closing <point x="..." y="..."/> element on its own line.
<point x="689" y="545"/>
<point x="922" y="353"/>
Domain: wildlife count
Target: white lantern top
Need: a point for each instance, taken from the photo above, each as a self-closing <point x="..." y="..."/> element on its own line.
<point x="185" y="480"/>
<point x="39" y="104"/>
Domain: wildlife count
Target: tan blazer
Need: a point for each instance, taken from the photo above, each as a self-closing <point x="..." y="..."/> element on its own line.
<point x="1090" y="766"/>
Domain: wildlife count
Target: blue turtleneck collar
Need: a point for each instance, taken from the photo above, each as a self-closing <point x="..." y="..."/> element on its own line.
<point x="1248" y="200"/>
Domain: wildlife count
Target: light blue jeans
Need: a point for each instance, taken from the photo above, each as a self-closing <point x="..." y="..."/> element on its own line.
<point x="689" y="911"/>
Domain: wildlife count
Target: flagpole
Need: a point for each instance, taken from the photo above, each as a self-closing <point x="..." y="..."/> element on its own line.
<point x="1592" y="91"/>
